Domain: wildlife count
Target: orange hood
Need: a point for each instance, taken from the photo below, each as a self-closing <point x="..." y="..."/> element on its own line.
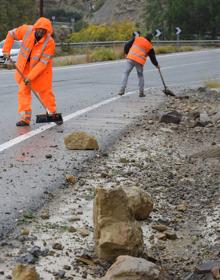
<point x="45" y="24"/>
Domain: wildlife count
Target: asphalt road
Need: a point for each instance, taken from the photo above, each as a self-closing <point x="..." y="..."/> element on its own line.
<point x="87" y="97"/>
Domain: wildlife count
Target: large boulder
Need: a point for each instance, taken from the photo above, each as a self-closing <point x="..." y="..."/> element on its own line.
<point x="140" y="202"/>
<point x="130" y="268"/>
<point x="81" y="141"/>
<point x="24" y="272"/>
<point x="115" y="230"/>
<point x="171" y="117"/>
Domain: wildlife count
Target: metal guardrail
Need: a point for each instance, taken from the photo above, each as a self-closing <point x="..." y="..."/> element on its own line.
<point x="118" y="43"/>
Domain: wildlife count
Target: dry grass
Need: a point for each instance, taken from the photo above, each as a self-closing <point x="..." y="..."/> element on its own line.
<point x="105" y="53"/>
<point x="70" y="60"/>
<point x="172" y="49"/>
<point x="212" y="84"/>
<point x="97" y="54"/>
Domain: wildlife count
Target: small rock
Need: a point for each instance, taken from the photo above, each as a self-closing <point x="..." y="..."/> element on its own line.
<point x="83" y="232"/>
<point x="35" y="251"/>
<point x="48" y="156"/>
<point x="160" y="227"/>
<point x="26" y="259"/>
<point x="182" y="207"/>
<point x="45" y="215"/>
<point x="67" y="267"/>
<point x="57" y="246"/>
<point x="171" y="235"/>
<point x="72" y="229"/>
<point x="25" y="231"/>
<point x="171" y="117"/>
<point x="207" y="266"/>
<point x="25" y="272"/>
<point x="71" y="179"/>
<point x="215" y="272"/>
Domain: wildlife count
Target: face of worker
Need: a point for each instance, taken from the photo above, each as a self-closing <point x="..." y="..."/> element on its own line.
<point x="39" y="33"/>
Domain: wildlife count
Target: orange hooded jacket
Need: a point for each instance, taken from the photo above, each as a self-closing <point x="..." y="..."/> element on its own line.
<point x="39" y="54"/>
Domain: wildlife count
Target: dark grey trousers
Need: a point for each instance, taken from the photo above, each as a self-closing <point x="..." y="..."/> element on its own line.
<point x="130" y="64"/>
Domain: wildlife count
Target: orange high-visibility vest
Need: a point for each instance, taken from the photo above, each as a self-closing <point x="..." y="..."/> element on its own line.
<point x="38" y="54"/>
<point x="139" y="50"/>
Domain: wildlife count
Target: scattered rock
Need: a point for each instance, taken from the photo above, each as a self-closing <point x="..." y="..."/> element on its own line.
<point x="48" y="156"/>
<point x="115" y="230"/>
<point x="57" y="246"/>
<point x="160" y="227"/>
<point x="83" y="232"/>
<point x="207" y="266"/>
<point x="25" y="272"/>
<point x="71" y="179"/>
<point x="26" y="259"/>
<point x="127" y="267"/>
<point x="45" y="215"/>
<point x="25" y="231"/>
<point x="140" y="202"/>
<point x="81" y="141"/>
<point x="171" y="117"/>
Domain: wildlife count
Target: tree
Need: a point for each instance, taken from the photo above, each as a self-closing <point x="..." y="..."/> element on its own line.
<point x="16" y="12"/>
<point x="196" y="17"/>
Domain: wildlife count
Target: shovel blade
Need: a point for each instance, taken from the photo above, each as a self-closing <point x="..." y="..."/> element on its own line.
<point x="47" y="118"/>
<point x="168" y="92"/>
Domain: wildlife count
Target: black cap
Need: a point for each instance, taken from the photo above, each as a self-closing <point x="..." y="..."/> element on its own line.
<point x="149" y="36"/>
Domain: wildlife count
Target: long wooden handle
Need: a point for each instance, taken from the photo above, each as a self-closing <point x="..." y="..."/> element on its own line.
<point x="162" y="78"/>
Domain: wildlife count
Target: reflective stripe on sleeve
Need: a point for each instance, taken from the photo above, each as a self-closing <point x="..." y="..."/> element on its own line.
<point x="44" y="61"/>
<point x="27" y="33"/>
<point x="13" y="34"/>
<point x="36" y="58"/>
<point x="25" y="48"/>
<point x="23" y="54"/>
<point x="47" y="55"/>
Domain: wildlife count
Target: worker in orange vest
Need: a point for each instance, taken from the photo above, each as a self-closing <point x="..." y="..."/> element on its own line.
<point x="35" y="62"/>
<point x="138" y="49"/>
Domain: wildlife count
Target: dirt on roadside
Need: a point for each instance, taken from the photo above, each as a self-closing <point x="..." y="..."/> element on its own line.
<point x="178" y="164"/>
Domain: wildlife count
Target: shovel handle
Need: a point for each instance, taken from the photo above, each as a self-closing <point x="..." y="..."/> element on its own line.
<point x="29" y="85"/>
<point x="162" y="79"/>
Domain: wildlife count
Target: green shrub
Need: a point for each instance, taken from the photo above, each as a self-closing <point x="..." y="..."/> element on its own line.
<point x="117" y="31"/>
<point x="172" y="49"/>
<point x="102" y="54"/>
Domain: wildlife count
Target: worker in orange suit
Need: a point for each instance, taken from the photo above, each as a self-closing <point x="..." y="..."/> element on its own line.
<point x="35" y="62"/>
<point x="137" y="50"/>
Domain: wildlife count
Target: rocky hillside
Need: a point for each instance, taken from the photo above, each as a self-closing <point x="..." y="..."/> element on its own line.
<point x="101" y="11"/>
<point x="115" y="10"/>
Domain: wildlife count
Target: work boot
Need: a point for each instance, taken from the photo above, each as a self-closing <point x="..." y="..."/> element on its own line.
<point x="141" y="94"/>
<point x="55" y="116"/>
<point x="22" y="123"/>
<point x="121" y="92"/>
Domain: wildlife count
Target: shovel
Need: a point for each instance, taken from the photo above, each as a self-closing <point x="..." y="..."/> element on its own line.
<point x="166" y="90"/>
<point x="43" y="118"/>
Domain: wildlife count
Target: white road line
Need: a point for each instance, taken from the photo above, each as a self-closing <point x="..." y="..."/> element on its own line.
<point x="39" y="130"/>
